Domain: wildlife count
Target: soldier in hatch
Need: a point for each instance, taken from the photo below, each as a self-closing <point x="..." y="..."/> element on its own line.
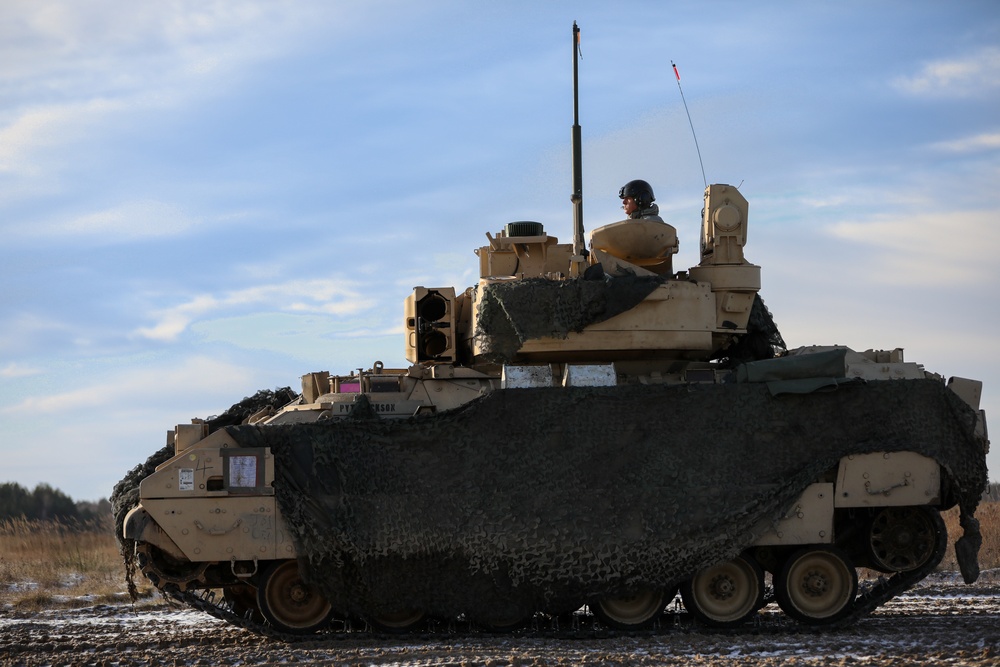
<point x="637" y="200"/>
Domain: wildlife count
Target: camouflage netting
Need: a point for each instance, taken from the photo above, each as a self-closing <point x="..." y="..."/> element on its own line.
<point x="512" y="312"/>
<point x="538" y="498"/>
<point x="250" y="405"/>
<point x="762" y="339"/>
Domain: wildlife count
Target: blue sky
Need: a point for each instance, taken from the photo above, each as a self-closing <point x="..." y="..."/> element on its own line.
<point x="201" y="199"/>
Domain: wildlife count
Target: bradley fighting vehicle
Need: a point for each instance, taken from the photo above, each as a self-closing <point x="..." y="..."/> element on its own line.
<point x="580" y="435"/>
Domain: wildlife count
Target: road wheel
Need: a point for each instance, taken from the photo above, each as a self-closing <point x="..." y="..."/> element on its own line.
<point x="725" y="595"/>
<point x="289" y="603"/>
<point x="631" y="612"/>
<point x="398" y="622"/>
<point x="817" y="585"/>
<point x="904" y="538"/>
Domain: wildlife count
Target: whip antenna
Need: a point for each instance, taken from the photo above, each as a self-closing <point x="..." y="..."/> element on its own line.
<point x="579" y="247"/>
<point x="678" y="75"/>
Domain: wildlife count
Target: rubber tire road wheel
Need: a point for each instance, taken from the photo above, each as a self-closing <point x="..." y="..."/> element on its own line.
<point x="817" y="585"/>
<point x="398" y="622"/>
<point x="725" y="595"/>
<point x="289" y="603"/>
<point x="637" y="611"/>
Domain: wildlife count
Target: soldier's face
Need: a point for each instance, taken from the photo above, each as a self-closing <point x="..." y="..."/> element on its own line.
<point x="629" y="205"/>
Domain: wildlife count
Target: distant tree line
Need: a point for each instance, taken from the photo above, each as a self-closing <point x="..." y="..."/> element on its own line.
<point x="44" y="503"/>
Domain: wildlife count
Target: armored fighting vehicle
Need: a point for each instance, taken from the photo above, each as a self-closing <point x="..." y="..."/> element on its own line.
<point x="578" y="437"/>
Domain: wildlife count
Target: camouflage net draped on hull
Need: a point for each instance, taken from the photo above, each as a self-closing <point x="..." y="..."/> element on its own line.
<point x="537" y="498"/>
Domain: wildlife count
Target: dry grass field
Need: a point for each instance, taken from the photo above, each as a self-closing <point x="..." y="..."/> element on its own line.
<point x="988" y="514"/>
<point x="53" y="564"/>
<point x="47" y="564"/>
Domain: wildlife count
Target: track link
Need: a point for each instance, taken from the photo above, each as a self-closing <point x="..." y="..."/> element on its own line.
<point x="581" y="625"/>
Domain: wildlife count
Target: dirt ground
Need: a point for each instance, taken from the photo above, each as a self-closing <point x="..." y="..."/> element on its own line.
<point x="942" y="622"/>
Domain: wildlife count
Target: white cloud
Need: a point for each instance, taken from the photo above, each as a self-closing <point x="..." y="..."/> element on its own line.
<point x="18" y="330"/>
<point x="319" y="296"/>
<point x="127" y="221"/>
<point x="43" y="127"/>
<point x="966" y="76"/>
<point x="955" y="248"/>
<point x="163" y="382"/>
<point x="90" y="61"/>
<point x="977" y="143"/>
<point x="56" y="41"/>
<point x="18" y="370"/>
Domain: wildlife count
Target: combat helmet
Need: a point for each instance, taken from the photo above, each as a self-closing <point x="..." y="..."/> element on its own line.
<point x="639" y="190"/>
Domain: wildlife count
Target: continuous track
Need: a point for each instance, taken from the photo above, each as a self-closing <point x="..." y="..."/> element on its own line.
<point x="580" y="626"/>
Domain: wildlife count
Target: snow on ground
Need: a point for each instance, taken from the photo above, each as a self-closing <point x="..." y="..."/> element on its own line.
<point x="941" y="622"/>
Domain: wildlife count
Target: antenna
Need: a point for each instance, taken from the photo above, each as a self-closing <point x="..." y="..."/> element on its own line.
<point x="678" y="75"/>
<point x="577" y="196"/>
